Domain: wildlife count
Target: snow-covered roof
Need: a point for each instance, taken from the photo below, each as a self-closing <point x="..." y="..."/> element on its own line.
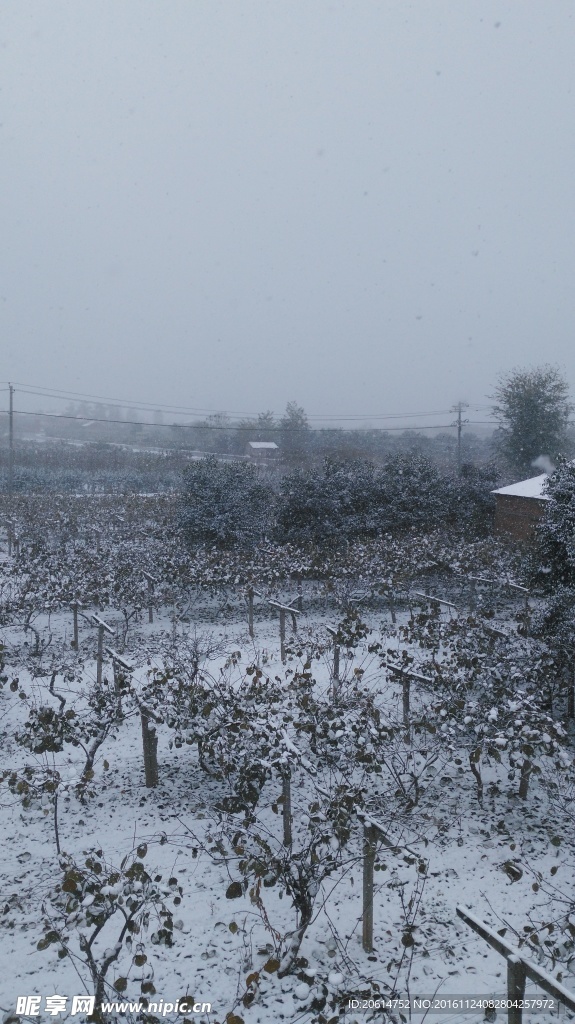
<point x="262" y="444"/>
<point x="531" y="488"/>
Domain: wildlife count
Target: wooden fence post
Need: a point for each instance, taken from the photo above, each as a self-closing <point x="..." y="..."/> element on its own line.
<point x="391" y="599"/>
<point x="516" y="977"/>
<point x="150" y="748"/>
<point x="251" y="611"/>
<point x="369" y="848"/>
<point x="283" y="634"/>
<point x="286" y="807"/>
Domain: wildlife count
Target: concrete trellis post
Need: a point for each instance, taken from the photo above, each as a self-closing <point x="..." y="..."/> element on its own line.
<point x="519" y="968"/>
<point x="525" y="592"/>
<point x="75" y="606"/>
<point x="151" y="581"/>
<point x="283" y="608"/>
<point x="102" y="627"/>
<point x="373" y="834"/>
<point x="299" y="595"/>
<point x="524" y="778"/>
<point x="516" y="978"/>
<point x="9" y="533"/>
<point x="406" y="677"/>
<point x="286" y="807"/>
<point x="369" y="850"/>
<point x="150" y="749"/>
<point x="335" y="666"/>
<point x="118" y="662"/>
<point x="406" y="682"/>
<point x="283" y="634"/>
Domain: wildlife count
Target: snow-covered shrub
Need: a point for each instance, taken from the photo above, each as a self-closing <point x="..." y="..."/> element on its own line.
<point x="553" y="561"/>
<point x="224" y="503"/>
<point x="98" y="914"/>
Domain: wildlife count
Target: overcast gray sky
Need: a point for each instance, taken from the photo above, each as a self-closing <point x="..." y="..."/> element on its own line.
<point x="364" y="206"/>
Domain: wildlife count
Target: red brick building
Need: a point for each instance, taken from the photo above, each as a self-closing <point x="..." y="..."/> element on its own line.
<point x="519" y="507"/>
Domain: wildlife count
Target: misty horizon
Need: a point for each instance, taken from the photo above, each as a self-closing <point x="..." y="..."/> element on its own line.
<point x="365" y="210"/>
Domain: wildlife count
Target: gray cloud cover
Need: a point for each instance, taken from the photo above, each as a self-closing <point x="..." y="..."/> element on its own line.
<point x="365" y="206"/>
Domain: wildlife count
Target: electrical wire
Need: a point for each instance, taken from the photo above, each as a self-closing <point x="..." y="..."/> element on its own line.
<point x="206" y="426"/>
<point x="61" y="393"/>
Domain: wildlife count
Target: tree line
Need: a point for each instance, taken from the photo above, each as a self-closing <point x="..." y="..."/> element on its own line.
<point x="231" y="504"/>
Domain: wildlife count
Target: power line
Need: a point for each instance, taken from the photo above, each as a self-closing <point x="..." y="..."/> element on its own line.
<point x="60" y="393"/>
<point x="209" y="426"/>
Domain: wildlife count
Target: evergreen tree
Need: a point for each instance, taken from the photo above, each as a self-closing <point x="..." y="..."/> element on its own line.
<point x="554" y="558"/>
<point x="224" y="503"/>
<point x="532" y="408"/>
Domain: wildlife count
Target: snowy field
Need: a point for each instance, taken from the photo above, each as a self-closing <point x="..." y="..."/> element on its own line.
<point x="181" y="861"/>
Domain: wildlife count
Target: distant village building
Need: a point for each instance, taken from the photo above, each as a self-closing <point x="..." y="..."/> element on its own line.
<point x="519" y="507"/>
<point x="261" y="451"/>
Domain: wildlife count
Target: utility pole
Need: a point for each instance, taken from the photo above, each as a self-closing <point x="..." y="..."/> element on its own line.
<point x="11" y="442"/>
<point x="459" y="424"/>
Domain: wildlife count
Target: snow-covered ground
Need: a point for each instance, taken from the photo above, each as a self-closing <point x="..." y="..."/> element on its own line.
<point x="486" y="858"/>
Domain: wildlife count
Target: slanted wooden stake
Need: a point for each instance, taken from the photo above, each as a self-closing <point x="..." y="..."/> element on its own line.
<point x="369" y="849"/>
<point x="150" y="748"/>
<point x="286" y="806"/>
